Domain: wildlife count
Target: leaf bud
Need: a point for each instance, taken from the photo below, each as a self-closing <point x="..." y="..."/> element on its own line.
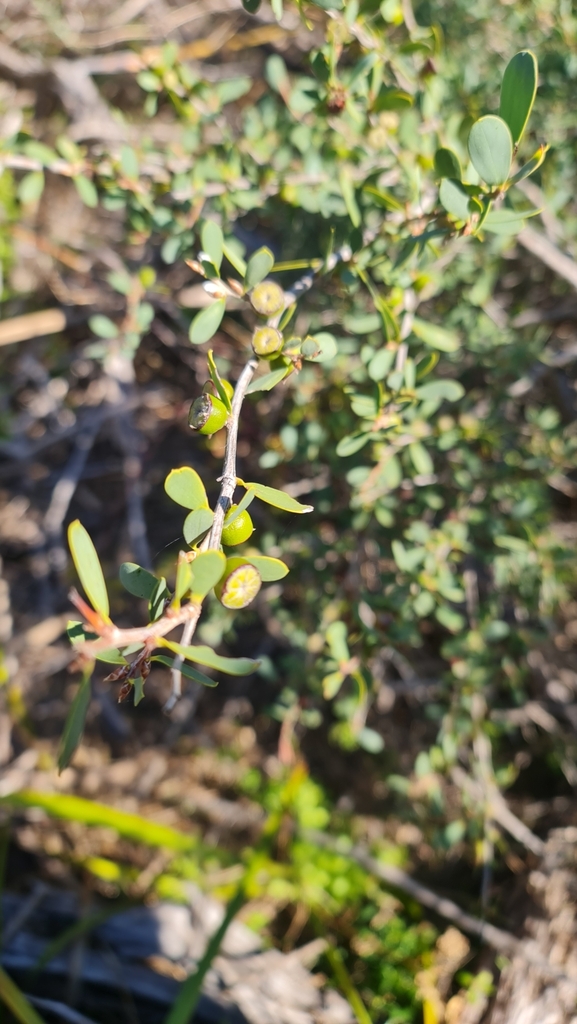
<point x="207" y="414"/>
<point x="267" y="341"/>
<point x="267" y="298"/>
<point x="310" y="348"/>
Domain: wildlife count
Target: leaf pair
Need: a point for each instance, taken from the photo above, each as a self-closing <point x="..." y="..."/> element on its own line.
<point x="186" y="488"/>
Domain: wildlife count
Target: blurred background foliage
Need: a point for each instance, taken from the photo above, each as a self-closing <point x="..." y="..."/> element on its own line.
<point x="419" y="658"/>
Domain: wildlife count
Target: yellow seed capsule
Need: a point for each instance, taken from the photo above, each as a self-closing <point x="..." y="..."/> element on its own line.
<point x="207" y="414"/>
<point x="239" y="530"/>
<point x="239" y="585"/>
<point x="267" y="341"/>
<point x="267" y="298"/>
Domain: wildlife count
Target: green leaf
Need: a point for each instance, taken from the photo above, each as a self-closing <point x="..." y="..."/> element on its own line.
<point x="137" y="581"/>
<point x="277" y="8"/>
<point x="337" y="641"/>
<point x="158" y="599"/>
<point x="348" y="194"/>
<point x="518" y="92"/>
<point x="38" y="151"/>
<point x="31" y="187"/>
<point x="381" y="363"/>
<point x="16" y="1001"/>
<point x="352" y="443"/>
<point x="507" y="222"/>
<point x="187" y="670"/>
<point x="440" y="390"/>
<point x="277" y="498"/>
<point x="329" y="5"/>
<point x="447" y="164"/>
<point x="138" y="690"/>
<point x="531" y="165"/>
<point x="332" y="684"/>
<point x="491" y="149"/>
<point x="268" y="381"/>
<point x="234" y="259"/>
<point x="88" y="567"/>
<point x="391" y="99"/>
<point x="74" y="727"/>
<point x="184" y="1006"/>
<point x="212" y="241"/>
<point x="243" y="504"/>
<point x="259" y="265"/>
<point x="103" y="326"/>
<point x="370" y="740"/>
<point x="251" y="6"/>
<point x="326" y="345"/>
<point x="206" y="323"/>
<point x="270" y="569"/>
<point x="89" y="812"/>
<point x="206" y="656"/>
<point x="217" y="380"/>
<point x="183" y="580"/>
<point x="207" y="569"/>
<point x="435" y="336"/>
<point x="421" y="459"/>
<point x="77" y="634"/>
<point x="381" y="197"/>
<point x="186" y="488"/>
<point x="129" y="163"/>
<point x="196" y="524"/>
<point x="86" y="190"/>
<point x="454" y="199"/>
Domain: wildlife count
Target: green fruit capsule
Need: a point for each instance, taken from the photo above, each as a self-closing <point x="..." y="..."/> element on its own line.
<point x="267" y="341"/>
<point x="207" y="414"/>
<point x="267" y="298"/>
<point x="239" y="584"/>
<point x="239" y="530"/>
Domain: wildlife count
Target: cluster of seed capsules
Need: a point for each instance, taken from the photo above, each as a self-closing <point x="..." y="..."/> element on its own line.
<point x="241" y="581"/>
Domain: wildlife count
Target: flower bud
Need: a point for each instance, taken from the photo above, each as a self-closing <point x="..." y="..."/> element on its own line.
<point x="207" y="414"/>
<point x="267" y="298"/>
<point x="267" y="341"/>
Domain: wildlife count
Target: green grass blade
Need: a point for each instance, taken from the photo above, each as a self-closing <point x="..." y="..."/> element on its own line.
<point x="89" y="812"/>
<point x="186" y="1002"/>
<point x="17" y="1002"/>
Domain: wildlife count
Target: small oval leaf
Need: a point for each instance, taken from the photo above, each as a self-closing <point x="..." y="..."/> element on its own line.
<point x="88" y="567"/>
<point x="212" y="240"/>
<point x="187" y="670"/>
<point x="278" y="498"/>
<point x="74" y="727"/>
<point x="137" y="581"/>
<point x="454" y="199"/>
<point x="435" y="336"/>
<point x="268" y="381"/>
<point x="518" y="92"/>
<point x="207" y="322"/>
<point x="207" y="569"/>
<point x="270" y="569"/>
<point x="351" y="444"/>
<point x="206" y="656"/>
<point x="440" y="390"/>
<point x="491" y="149"/>
<point x="186" y="488"/>
<point x="259" y="265"/>
<point x="447" y="164"/>
<point x="196" y="524"/>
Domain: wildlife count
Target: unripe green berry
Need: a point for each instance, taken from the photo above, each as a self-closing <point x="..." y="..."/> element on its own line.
<point x="239" y="585"/>
<point x="239" y="530"/>
<point x="267" y="298"/>
<point x="207" y="414"/>
<point x="267" y="341"/>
